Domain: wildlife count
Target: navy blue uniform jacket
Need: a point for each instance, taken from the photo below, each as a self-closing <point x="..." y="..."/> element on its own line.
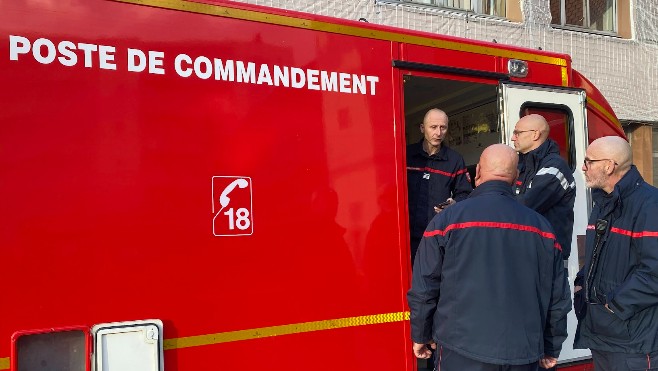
<point x="489" y="281"/>
<point x="431" y="180"/>
<point x="546" y="185"/>
<point x="626" y="274"/>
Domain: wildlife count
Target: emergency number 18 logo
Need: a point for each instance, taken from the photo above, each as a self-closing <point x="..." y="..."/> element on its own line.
<point x="231" y="206"/>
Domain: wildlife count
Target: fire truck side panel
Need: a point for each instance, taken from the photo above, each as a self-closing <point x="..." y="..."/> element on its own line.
<point x="232" y="170"/>
<point x="109" y="178"/>
<point x="449" y="58"/>
<point x="469" y="58"/>
<point x="601" y="120"/>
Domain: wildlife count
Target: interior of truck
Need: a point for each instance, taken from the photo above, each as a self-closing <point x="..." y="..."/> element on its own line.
<point x="471" y="107"/>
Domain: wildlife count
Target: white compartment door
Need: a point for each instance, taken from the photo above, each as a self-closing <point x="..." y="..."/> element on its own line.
<point x="128" y="346"/>
<point x="513" y="99"/>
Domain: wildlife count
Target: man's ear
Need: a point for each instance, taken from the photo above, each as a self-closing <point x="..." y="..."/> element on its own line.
<point x="477" y="174"/>
<point x="609" y="169"/>
<point x="536" y="135"/>
<point x="422" y="128"/>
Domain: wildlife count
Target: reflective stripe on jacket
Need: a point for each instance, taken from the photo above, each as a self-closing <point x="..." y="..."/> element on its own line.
<point x="546" y="185"/>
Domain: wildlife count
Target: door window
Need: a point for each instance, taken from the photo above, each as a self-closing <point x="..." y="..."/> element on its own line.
<point x="560" y="121"/>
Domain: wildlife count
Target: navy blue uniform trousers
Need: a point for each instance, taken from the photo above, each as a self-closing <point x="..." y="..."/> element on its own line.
<point x="447" y="360"/>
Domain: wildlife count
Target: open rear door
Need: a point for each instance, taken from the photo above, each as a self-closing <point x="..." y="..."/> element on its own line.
<point x="565" y="110"/>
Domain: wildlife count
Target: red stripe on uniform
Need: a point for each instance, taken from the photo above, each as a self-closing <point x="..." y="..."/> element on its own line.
<point x="435" y="171"/>
<point x="518" y="227"/>
<point x="633" y="234"/>
<point x="434" y="233"/>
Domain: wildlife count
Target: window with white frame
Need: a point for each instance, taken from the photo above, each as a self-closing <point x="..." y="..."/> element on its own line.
<point x="489" y="7"/>
<point x="597" y="15"/>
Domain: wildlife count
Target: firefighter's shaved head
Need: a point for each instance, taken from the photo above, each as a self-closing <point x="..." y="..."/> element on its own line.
<point x="536" y="122"/>
<point x="607" y="160"/>
<point x="616" y="149"/>
<point x="498" y="162"/>
<point x="434" y="129"/>
<point x="530" y="132"/>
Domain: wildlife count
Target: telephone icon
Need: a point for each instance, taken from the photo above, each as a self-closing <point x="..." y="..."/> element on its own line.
<point x="224" y="199"/>
<point x="232" y="206"/>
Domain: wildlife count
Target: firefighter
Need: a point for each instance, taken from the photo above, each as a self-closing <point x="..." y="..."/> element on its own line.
<point x="489" y="287"/>
<point x="437" y="176"/>
<point x="545" y="182"/>
<point x="616" y="291"/>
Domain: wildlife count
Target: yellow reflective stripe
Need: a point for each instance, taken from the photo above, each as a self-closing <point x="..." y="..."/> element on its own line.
<point x="605" y="112"/>
<point x="565" y="77"/>
<point x="256" y="333"/>
<point x="251" y="15"/>
<point x="297" y="328"/>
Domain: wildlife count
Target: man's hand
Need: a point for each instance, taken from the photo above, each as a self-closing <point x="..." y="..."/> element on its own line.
<point x="577" y="288"/>
<point x="422" y="351"/>
<point x="449" y="202"/>
<point x="547" y="362"/>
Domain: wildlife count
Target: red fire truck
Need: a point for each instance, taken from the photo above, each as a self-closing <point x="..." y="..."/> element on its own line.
<point x="209" y="185"/>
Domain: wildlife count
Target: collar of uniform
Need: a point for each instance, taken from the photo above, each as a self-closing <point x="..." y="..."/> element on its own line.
<point x="546" y="148"/>
<point x="417" y="150"/>
<point x="533" y="157"/>
<point x="492" y="186"/>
